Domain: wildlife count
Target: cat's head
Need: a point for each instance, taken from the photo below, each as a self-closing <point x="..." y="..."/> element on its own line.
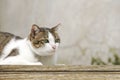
<point x="44" y="41"/>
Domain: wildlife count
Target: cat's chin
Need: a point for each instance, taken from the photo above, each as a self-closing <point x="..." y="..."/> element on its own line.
<point x="51" y="52"/>
<point x="46" y="53"/>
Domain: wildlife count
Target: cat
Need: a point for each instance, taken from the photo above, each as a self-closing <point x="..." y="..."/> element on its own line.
<point x="37" y="49"/>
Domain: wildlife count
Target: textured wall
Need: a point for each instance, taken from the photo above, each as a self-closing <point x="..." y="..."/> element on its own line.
<point x="90" y="28"/>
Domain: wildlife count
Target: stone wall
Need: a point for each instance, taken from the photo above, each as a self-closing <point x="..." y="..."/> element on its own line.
<point x="90" y="28"/>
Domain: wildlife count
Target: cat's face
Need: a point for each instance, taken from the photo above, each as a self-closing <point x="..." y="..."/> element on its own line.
<point x="44" y="40"/>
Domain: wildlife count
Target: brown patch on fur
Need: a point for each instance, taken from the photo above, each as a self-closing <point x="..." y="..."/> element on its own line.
<point x="56" y="36"/>
<point x="18" y="37"/>
<point x="38" y="41"/>
<point x="14" y="52"/>
<point x="39" y="35"/>
<point x="4" y="39"/>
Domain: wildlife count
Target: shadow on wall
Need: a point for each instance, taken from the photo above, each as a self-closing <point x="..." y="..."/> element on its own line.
<point x="90" y="28"/>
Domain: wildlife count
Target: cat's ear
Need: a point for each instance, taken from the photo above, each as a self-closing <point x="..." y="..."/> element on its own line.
<point x="35" y="29"/>
<point x="55" y="28"/>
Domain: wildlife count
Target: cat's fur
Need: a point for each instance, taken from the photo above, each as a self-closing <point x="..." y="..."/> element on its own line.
<point x="37" y="49"/>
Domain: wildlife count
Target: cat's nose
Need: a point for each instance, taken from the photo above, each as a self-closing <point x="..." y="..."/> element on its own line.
<point x="54" y="47"/>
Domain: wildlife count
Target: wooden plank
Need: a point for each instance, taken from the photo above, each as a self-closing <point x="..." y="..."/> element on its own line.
<point x="59" y="72"/>
<point x="60" y="68"/>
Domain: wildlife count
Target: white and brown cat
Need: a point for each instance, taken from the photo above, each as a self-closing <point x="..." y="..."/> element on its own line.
<point x="37" y="49"/>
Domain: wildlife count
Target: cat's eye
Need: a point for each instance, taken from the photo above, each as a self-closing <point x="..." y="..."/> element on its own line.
<point x="46" y="41"/>
<point x="57" y="40"/>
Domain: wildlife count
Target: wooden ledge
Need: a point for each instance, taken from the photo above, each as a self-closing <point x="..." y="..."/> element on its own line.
<point x="59" y="72"/>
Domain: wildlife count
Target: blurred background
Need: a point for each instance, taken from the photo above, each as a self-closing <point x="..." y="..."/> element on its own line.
<point x="89" y="31"/>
